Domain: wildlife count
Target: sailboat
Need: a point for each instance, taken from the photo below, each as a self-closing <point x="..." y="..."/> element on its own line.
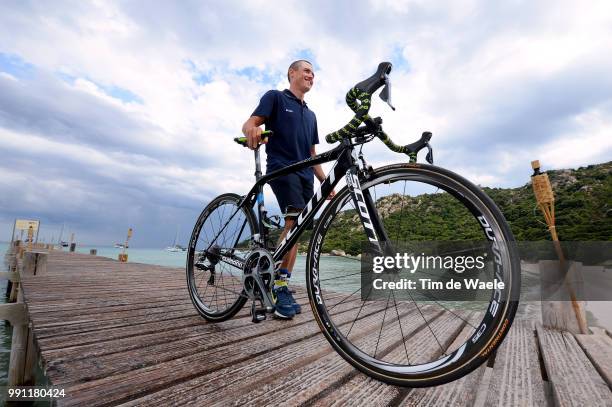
<point x="175" y="246"/>
<point x="60" y="242"/>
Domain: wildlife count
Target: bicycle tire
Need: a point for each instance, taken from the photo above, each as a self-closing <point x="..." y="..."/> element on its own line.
<point x="209" y="230"/>
<point x="467" y="356"/>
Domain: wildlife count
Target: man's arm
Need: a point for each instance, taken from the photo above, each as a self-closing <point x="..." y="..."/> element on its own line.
<point x="252" y="131"/>
<point x="318" y="171"/>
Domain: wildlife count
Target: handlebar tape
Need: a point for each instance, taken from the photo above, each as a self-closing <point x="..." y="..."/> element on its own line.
<point x="361" y="92"/>
<point x="361" y="110"/>
<point x="390" y="144"/>
<point x="243" y="140"/>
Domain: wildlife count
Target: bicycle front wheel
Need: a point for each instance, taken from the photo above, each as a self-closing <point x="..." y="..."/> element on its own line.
<point x="223" y="231"/>
<point x="413" y="337"/>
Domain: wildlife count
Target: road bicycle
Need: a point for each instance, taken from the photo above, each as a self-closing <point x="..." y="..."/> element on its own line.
<point x="410" y="341"/>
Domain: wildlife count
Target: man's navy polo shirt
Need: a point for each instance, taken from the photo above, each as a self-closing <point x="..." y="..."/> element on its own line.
<point x="294" y="126"/>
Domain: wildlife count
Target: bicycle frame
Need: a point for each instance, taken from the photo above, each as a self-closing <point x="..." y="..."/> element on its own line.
<point x="346" y="165"/>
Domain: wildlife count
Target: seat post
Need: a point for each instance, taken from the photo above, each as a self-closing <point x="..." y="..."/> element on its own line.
<point x="258" y="173"/>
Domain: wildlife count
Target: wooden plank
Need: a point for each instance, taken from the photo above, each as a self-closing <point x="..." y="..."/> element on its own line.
<point x="11" y="276"/>
<point x="151" y="349"/>
<point x="120" y="387"/>
<point x="517" y="378"/>
<point x="598" y="348"/>
<point x="315" y="381"/>
<point x="126" y="333"/>
<point x="248" y="375"/>
<point x="574" y="380"/>
<point x="461" y="392"/>
<point x="15" y="313"/>
<point x="423" y="346"/>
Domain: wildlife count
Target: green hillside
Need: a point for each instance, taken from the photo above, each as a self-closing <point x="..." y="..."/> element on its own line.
<point x="583" y="212"/>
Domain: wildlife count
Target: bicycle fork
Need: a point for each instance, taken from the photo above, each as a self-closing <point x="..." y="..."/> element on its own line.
<point x="366" y="208"/>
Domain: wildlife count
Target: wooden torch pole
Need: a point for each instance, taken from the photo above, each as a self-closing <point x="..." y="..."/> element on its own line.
<point x="546" y="202"/>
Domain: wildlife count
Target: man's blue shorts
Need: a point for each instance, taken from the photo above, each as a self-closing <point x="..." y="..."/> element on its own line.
<point x="292" y="191"/>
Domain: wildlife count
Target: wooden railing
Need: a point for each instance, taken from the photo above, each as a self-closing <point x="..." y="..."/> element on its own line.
<point x="24" y="354"/>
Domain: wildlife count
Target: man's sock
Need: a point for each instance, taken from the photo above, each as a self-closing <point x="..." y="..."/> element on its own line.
<point x="282" y="278"/>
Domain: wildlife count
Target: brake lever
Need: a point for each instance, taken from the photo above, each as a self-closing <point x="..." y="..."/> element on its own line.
<point x="385" y="94"/>
<point x="429" y="156"/>
<point x="413" y="149"/>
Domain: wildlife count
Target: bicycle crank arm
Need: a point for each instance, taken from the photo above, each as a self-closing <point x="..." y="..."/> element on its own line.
<point x="265" y="295"/>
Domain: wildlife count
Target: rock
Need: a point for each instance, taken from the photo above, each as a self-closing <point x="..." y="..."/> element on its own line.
<point x="336" y="252"/>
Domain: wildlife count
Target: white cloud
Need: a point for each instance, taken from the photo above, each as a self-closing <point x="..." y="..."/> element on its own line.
<point x="474" y="73"/>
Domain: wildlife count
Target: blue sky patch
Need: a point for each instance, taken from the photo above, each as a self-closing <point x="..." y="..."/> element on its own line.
<point x="264" y="76"/>
<point x="398" y="60"/>
<point x="308" y="55"/>
<point x="200" y="77"/>
<point x="120" y="93"/>
<point x="113" y="91"/>
<point x="14" y="65"/>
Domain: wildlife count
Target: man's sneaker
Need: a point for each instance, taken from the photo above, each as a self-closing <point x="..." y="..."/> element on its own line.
<point x="283" y="306"/>
<point x="296" y="307"/>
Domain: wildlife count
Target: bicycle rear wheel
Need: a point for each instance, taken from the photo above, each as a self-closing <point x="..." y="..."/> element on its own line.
<point x="215" y="285"/>
<point x="412" y="337"/>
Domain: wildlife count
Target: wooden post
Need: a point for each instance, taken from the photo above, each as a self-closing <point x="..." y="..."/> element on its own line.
<point x="558" y="286"/>
<point x="14" y="291"/>
<point x="546" y="202"/>
<point x="29" y="377"/>
<point x="15" y="285"/>
<point x="18" y="355"/>
<point x="30" y="237"/>
<point x="34" y="263"/>
<point x="18" y="345"/>
<point x="9" y="288"/>
<point x="12" y="267"/>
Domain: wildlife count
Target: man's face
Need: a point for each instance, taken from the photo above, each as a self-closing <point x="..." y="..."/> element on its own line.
<point x="303" y="77"/>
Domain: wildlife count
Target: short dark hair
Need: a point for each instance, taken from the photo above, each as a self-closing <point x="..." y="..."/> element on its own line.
<point x="295" y="65"/>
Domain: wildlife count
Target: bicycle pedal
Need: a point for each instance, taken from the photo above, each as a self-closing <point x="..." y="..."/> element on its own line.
<point x="258" y="316"/>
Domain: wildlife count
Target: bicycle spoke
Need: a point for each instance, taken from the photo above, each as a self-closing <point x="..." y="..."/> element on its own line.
<point x="225" y="226"/>
<point x="353" y="293"/>
<point x="382" y="323"/>
<point x="427" y="323"/>
<point x="435" y="299"/>
<point x="399" y="220"/>
<point x="343" y="276"/>
<point x="223" y="288"/>
<point x="399" y="321"/>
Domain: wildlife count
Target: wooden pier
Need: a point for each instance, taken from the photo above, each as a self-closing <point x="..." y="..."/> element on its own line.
<point x="114" y="333"/>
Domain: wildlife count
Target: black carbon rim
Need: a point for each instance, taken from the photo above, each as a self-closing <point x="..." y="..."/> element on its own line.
<point x="223" y="225"/>
<point x="450" y="364"/>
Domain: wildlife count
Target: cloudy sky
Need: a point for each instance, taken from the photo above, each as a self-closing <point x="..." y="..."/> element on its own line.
<point x="122" y="114"/>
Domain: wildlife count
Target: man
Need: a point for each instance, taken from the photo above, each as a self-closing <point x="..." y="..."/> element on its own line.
<point x="295" y="135"/>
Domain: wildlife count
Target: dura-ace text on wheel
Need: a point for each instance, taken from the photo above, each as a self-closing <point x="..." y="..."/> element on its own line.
<point x="414" y="339"/>
<point x="221" y="237"/>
